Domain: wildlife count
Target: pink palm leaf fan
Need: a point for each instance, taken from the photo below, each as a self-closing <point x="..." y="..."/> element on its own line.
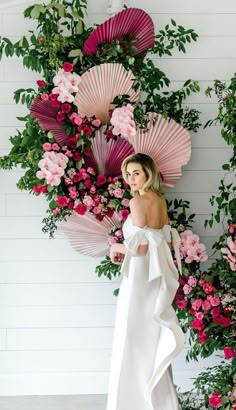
<point x="132" y="22"/>
<point x="46" y="115"/>
<point x="87" y="235"/>
<point x="98" y="88"/>
<point x="168" y="143"/>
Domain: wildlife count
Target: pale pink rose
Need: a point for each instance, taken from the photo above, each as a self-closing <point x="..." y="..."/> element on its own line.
<point x="125" y="202"/>
<point x="112" y="240"/>
<point x="187" y="289"/>
<point x="88" y="201"/>
<point x="192" y="281"/>
<point x="69" y="154"/>
<point x="54" y="180"/>
<point x="96" y="122"/>
<point x="91" y="171"/>
<point x="215" y="301"/>
<point x="119" y="234"/>
<point x="118" y="193"/>
<point x="97" y="209"/>
<point x="203" y="257"/>
<point x="56" y="211"/>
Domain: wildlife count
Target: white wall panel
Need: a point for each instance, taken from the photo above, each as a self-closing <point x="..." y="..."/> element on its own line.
<point x="50" y="296"/>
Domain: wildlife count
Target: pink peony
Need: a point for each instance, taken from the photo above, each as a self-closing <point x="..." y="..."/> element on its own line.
<point x="229" y="352"/>
<point x="215" y="400"/>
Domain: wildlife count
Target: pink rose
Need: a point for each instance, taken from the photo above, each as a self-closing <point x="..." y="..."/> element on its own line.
<point x="231" y="228"/>
<point x="44" y="97"/>
<point x="55" y="147"/>
<point x="96" y="123"/>
<point x="229" y="352"/>
<point x="92" y="189"/>
<point x="56" y="211"/>
<point x="187" y="289"/>
<point x="215" y="400"/>
<point x="208" y="287"/>
<point x="47" y="146"/>
<point x="112" y="240"/>
<point x="192" y="281"/>
<point x="125" y="202"/>
<point x="199" y="315"/>
<point x="197" y="304"/>
<point x="206" y="305"/>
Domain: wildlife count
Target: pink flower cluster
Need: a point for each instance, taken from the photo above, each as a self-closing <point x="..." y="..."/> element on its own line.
<point x="230" y="253"/>
<point x="115" y="235"/>
<point x="123" y="121"/>
<point x="191" y="249"/>
<point x="202" y="300"/>
<point x="66" y="84"/>
<point x="52" y="167"/>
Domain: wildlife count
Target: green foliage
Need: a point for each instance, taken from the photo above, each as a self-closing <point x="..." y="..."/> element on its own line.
<point x="177" y="211"/>
<point x="108" y="269"/>
<point x="173" y="36"/>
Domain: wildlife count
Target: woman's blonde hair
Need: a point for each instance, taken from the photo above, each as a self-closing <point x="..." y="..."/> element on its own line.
<point x="149" y="168"/>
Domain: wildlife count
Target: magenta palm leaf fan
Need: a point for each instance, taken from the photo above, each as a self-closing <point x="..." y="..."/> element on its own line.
<point x="108" y="156"/>
<point x="132" y="22"/>
<point x="168" y="143"/>
<point x="46" y="115"/>
<point x="87" y="235"/>
<point x="98" y="88"/>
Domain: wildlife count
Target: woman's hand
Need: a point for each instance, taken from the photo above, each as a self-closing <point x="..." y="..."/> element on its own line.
<point x="116" y="254"/>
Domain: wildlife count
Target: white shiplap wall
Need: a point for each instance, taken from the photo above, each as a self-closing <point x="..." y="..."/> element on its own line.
<point x="56" y="317"/>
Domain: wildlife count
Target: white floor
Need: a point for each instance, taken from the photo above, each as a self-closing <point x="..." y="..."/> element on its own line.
<point x="85" y="402"/>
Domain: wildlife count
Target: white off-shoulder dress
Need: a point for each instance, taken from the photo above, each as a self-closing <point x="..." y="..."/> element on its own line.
<point x="147" y="335"/>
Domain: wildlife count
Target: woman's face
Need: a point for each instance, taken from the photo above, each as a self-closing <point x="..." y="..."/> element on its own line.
<point x="135" y="176"/>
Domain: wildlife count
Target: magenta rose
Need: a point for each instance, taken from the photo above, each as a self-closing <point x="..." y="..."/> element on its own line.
<point x="62" y="200"/>
<point x="66" y="108"/>
<point x="229" y="352"/>
<point x="101" y="179"/>
<point x="80" y="209"/>
<point x="215" y="400"/>
<point x="202" y="336"/>
<point x="41" y="83"/>
<point x="67" y="67"/>
<point x="222" y="320"/>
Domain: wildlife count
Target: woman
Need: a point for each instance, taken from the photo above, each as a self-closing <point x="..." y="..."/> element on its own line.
<point x="147" y="335"/>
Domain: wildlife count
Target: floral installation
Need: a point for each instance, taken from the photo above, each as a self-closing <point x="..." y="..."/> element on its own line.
<point x="72" y="148"/>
